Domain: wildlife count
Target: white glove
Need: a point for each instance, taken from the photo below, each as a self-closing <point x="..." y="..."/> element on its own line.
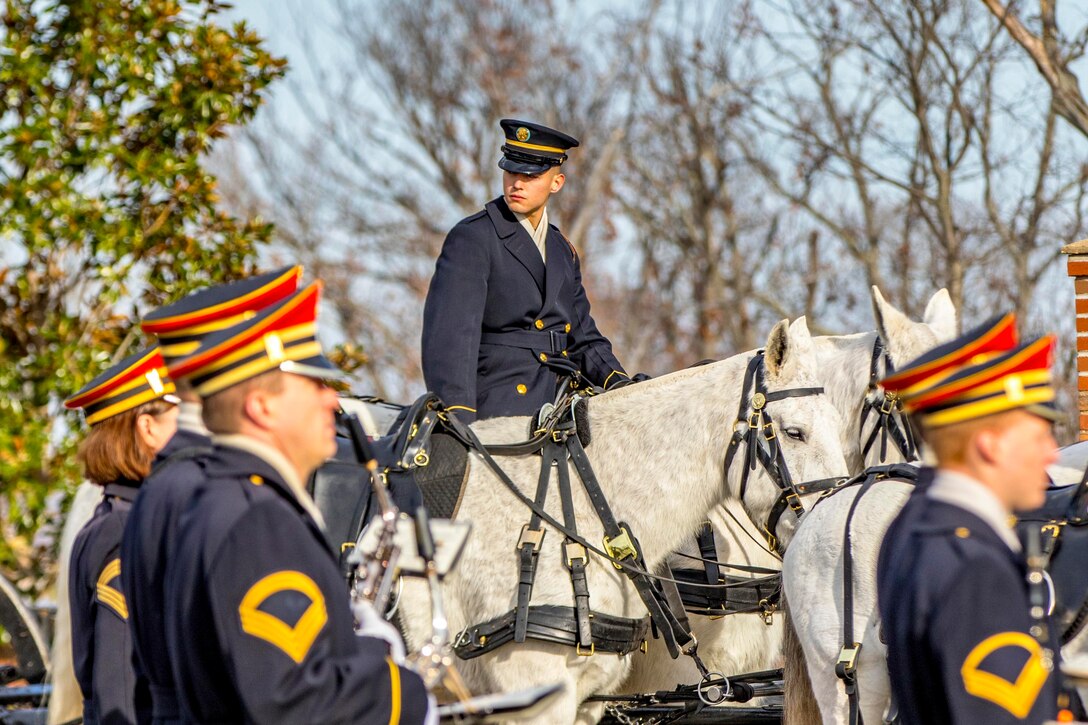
<point x="368" y="623"/>
<point x="432" y="711"/>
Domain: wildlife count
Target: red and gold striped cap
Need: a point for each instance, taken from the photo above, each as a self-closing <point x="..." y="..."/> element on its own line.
<point x="181" y="326"/>
<point x="283" y="337"/>
<point x="136" y="380"/>
<point x="1018" y="378"/>
<point x="991" y="338"/>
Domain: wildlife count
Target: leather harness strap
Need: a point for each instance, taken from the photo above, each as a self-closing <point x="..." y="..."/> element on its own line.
<point x="846" y="666"/>
<point x="549" y="623"/>
<point x="891" y="423"/>
<point x="621" y="546"/>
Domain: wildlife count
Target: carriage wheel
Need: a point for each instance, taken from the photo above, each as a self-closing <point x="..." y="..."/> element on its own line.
<point x="27" y="639"/>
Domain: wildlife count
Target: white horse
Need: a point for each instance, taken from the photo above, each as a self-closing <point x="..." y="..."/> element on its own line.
<point x="747" y="642"/>
<point x="812" y="574"/>
<point x="658" y="450"/>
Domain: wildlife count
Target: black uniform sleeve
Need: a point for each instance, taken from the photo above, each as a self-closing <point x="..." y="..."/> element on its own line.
<point x="591" y="350"/>
<point x="993" y="670"/>
<point x="283" y="621"/>
<point x="453" y="321"/>
<point x="83" y="614"/>
<point x="101" y="643"/>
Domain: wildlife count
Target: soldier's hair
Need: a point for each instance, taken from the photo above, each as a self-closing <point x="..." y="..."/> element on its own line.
<point x="113" y="450"/>
<point x="223" y="411"/>
<point x="950" y="443"/>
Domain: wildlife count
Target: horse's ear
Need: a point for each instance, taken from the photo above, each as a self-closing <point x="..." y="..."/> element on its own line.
<point x="889" y="320"/>
<point x="941" y="315"/>
<point x="787" y="345"/>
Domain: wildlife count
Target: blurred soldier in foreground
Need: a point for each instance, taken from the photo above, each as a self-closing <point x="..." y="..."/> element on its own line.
<point x="132" y="413"/>
<point x="506" y="312"/>
<point x="963" y="643"/>
<point x="259" y="622"/>
<point x="151" y="529"/>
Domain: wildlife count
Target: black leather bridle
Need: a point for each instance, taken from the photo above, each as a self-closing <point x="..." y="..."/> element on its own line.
<point x="754" y="431"/>
<point x="891" y="423"/>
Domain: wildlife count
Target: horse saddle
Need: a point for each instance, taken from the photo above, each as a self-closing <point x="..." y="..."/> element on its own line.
<point x="1062" y="524"/>
<point x="422" y="465"/>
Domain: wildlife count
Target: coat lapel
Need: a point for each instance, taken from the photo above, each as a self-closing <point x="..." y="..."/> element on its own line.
<point x="517" y="240"/>
<point x="559" y="262"/>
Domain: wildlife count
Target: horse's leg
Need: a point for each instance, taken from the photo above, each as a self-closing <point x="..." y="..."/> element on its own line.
<point x="535" y="663"/>
<point x="873" y="682"/>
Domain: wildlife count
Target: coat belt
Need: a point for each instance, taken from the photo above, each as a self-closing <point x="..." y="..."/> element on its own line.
<point x="555" y="341"/>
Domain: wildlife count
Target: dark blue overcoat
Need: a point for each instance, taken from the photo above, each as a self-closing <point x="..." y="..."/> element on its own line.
<point x="101" y="644"/>
<point x="499" y="328"/>
<point x="258" y="619"/>
<point x="148" y="543"/>
<point x="953" y="598"/>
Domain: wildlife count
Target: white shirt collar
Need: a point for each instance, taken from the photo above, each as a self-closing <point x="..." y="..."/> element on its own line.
<point x="190" y="419"/>
<point x="969" y="494"/>
<point x="279" y="462"/>
<point x="539" y="234"/>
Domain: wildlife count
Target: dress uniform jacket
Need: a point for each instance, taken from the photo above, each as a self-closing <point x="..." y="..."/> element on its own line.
<point x="498" y="326"/>
<point x="101" y="643"/>
<point x="953" y="599"/>
<point x="148" y="543"/>
<point x="259" y="623"/>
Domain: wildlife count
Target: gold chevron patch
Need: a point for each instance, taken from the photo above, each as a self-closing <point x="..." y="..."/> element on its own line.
<point x="107" y="595"/>
<point x="1016" y="697"/>
<point x="295" y="640"/>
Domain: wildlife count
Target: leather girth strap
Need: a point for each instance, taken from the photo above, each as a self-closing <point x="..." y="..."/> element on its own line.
<point x="548" y="623"/>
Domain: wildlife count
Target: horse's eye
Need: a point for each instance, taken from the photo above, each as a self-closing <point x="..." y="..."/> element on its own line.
<point x="796" y="433"/>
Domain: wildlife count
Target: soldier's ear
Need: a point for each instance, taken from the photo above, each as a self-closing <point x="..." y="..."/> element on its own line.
<point x="557" y="181"/>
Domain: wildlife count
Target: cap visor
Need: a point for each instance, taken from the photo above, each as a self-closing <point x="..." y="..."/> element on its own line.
<point x="520" y="167"/>
<point x="1048" y="411"/>
<point x="318" y="367"/>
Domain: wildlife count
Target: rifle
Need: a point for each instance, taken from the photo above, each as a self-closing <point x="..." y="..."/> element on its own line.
<point x="379" y="568"/>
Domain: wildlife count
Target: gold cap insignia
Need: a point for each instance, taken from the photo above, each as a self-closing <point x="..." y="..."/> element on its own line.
<point x="522" y="134"/>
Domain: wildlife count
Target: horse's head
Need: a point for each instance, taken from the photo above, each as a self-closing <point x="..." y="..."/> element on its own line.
<point x="874" y="430"/>
<point x="904" y="339"/>
<point x="787" y="433"/>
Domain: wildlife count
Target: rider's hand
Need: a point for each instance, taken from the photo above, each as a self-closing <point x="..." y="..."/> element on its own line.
<point x="368" y="623"/>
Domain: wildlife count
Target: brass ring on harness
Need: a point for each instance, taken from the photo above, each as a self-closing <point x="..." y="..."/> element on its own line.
<point x="585" y="653"/>
<point x="768" y="609"/>
<point x="422" y="459"/>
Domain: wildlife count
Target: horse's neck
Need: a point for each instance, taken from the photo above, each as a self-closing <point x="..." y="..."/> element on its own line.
<point x="845" y="366"/>
<point x="658" y="449"/>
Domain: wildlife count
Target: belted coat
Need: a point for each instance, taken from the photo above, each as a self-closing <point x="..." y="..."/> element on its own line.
<point x="500" y="326"/>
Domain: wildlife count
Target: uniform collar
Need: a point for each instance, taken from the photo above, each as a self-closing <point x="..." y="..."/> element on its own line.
<point x="279" y="464"/>
<point x="123" y="489"/>
<point x="969" y="494"/>
<point x="502" y="217"/>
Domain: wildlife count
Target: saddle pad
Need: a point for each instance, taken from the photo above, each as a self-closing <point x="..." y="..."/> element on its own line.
<point x="442" y="480"/>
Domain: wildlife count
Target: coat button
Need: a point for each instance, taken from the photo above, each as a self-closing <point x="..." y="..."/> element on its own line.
<point x="539" y="324"/>
<point x="522" y="390"/>
<point x="564" y="353"/>
<point x="543" y="357"/>
<point x="567" y="328"/>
